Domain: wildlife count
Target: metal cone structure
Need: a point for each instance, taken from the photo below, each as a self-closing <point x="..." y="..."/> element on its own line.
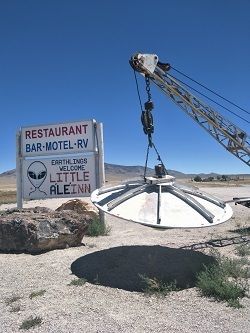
<point x="160" y="202"/>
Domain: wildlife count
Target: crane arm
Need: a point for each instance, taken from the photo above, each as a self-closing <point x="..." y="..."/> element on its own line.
<point x="231" y="137"/>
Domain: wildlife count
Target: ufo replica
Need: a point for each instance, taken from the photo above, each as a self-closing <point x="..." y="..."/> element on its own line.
<point x="160" y="202"/>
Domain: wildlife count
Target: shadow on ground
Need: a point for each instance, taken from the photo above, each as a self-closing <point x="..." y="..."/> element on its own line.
<point x="121" y="267"/>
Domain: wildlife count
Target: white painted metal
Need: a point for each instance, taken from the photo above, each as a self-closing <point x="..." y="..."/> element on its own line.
<point x="162" y="204"/>
<point x="148" y="61"/>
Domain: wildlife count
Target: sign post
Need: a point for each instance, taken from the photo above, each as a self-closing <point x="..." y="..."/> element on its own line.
<point x="100" y="163"/>
<point x="19" y="171"/>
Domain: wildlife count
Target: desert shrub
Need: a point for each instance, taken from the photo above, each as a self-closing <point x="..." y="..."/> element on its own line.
<point x="243" y="250"/>
<point x="197" y="179"/>
<point x="37" y="293"/>
<point x="234" y="268"/>
<point x="98" y="228"/>
<point x="12" y="299"/>
<point x="31" y="322"/>
<point x="154" y="286"/>
<point x="242" y="230"/>
<point x="78" y="282"/>
<point x="226" y="280"/>
<point x="15" y="308"/>
<point x="234" y="303"/>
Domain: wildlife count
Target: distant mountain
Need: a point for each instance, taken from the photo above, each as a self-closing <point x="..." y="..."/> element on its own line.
<point x="125" y="171"/>
<point x="117" y="170"/>
<point x="9" y="173"/>
<point x="135" y="171"/>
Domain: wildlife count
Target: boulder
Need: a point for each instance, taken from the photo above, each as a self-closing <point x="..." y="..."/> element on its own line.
<point x="39" y="229"/>
<point x="79" y="206"/>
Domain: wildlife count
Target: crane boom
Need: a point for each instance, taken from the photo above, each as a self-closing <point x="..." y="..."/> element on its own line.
<point x="231" y="137"/>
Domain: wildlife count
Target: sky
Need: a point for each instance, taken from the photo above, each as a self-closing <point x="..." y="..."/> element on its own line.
<point x="64" y="61"/>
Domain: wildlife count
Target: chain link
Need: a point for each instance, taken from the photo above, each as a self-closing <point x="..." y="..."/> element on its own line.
<point x="148" y="87"/>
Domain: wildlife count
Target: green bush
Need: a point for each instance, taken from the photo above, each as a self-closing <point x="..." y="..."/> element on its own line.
<point x="234" y="303"/>
<point x="37" y="293"/>
<point x="31" y="322"/>
<point x="197" y="179"/>
<point x="98" y="228"/>
<point x="226" y="280"/>
<point x="233" y="268"/>
<point x="243" y="250"/>
<point x="78" y="282"/>
<point x="153" y="286"/>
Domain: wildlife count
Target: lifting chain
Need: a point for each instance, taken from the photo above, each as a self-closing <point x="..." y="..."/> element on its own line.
<point x="148" y="128"/>
<point x="146" y="116"/>
<point x="147" y="81"/>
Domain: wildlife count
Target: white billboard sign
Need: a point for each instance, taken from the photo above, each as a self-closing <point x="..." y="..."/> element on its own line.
<point x="57" y="139"/>
<point x="59" y="177"/>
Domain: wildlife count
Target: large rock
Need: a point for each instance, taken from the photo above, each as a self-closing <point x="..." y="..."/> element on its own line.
<point x="41" y="229"/>
<point x="79" y="206"/>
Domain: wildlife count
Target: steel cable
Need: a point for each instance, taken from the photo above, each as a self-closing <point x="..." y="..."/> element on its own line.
<point x="212" y="91"/>
<point x="187" y="85"/>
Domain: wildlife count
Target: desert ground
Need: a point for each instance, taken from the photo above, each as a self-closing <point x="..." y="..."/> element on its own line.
<point x="109" y="301"/>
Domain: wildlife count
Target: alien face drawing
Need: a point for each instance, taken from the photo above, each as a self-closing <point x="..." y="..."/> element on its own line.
<point x="37" y="173"/>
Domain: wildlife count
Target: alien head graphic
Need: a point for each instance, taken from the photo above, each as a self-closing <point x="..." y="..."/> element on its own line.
<point x="37" y="173"/>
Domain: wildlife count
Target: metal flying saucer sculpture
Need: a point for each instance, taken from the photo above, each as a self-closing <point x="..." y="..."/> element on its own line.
<point x="160" y="202"/>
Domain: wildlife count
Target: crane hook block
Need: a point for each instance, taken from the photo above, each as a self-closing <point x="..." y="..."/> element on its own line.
<point x="160" y="170"/>
<point x="149" y="105"/>
<point x="147" y="122"/>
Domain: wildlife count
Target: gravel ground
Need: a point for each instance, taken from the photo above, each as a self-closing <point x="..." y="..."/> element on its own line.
<point x="103" y="307"/>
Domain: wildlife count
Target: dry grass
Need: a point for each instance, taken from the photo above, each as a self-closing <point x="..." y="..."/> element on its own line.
<point x="7" y="197"/>
<point x="37" y="293"/>
<point x="30" y="322"/>
<point x="12" y="299"/>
